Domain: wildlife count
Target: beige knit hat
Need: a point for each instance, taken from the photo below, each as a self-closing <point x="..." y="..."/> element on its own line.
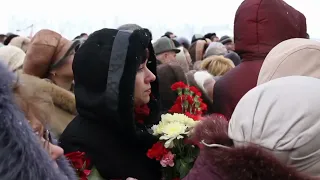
<point x="12" y="56"/>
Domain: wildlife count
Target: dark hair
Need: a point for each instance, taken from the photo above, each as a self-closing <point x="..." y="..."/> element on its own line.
<point x="83" y="34"/>
<point x="145" y="56"/>
<point x="210" y="35"/>
<point x="9" y="38"/>
<point x="184" y="42"/>
<point x="168" y="33"/>
<point x="176" y="43"/>
<point x="77" y="37"/>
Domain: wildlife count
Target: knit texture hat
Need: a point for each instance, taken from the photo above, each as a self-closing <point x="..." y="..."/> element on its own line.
<point x="215" y="48"/>
<point x="12" y="56"/>
<point x="21" y="42"/>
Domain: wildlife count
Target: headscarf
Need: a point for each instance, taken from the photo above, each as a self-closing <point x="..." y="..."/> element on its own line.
<point x="282" y="116"/>
<point x="297" y="56"/>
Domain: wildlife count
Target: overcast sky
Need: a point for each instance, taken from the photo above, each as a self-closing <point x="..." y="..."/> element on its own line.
<point x="71" y="17"/>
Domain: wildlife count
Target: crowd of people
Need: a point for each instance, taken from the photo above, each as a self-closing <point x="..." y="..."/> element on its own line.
<point x="84" y="108"/>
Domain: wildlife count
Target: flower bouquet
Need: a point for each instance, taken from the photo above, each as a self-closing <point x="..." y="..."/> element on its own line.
<point x="174" y="151"/>
<point x="80" y="163"/>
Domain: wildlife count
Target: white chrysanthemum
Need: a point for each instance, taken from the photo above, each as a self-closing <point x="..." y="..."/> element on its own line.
<point x="168" y="118"/>
<point x="173" y="126"/>
<point x="171" y="131"/>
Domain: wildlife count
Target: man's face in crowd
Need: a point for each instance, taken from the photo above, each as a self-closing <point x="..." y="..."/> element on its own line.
<point x="230" y="46"/>
<point x="172" y="36"/>
<point x="215" y="39"/>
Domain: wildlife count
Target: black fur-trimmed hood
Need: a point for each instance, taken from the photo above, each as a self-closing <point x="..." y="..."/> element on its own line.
<point x="104" y="88"/>
<point x="105" y="68"/>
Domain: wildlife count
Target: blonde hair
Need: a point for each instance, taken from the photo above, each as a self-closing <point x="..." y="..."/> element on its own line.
<point x="217" y="65"/>
<point x="35" y="106"/>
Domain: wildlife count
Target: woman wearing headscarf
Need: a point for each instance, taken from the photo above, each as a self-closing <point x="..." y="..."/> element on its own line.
<point x="115" y="73"/>
<point x="50" y="57"/>
<point x="269" y="136"/>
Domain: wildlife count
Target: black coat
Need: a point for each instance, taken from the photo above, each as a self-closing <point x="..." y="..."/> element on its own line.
<point x="104" y="72"/>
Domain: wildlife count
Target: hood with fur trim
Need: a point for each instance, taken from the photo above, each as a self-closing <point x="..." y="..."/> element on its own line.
<point x="22" y="158"/>
<point x="222" y="161"/>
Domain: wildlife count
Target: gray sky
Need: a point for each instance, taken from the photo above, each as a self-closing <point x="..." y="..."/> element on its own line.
<point x="71" y="17"/>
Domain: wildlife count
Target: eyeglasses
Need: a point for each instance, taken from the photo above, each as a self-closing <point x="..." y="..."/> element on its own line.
<point x="45" y="140"/>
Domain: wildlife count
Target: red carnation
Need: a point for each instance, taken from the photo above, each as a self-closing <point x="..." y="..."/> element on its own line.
<point x="177" y="108"/>
<point x="203" y="106"/>
<point x="194" y="90"/>
<point x="198" y="94"/>
<point x="178" y="85"/>
<point x="80" y="164"/>
<point x="157" y="151"/>
<point x="189" y="99"/>
<point x="195" y="117"/>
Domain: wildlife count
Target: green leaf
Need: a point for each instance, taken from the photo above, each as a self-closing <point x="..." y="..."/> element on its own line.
<point x="188" y="160"/>
<point x="184" y="168"/>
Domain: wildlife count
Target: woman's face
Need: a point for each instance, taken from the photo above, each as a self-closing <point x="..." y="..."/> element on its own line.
<point x="45" y="138"/>
<point x="142" y="88"/>
<point x="66" y="69"/>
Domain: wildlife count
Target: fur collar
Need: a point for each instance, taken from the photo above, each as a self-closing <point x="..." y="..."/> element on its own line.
<point x="241" y="163"/>
<point x="61" y="98"/>
<point x="22" y="157"/>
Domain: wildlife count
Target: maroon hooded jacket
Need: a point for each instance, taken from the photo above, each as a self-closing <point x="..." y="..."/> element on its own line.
<point x="259" y="26"/>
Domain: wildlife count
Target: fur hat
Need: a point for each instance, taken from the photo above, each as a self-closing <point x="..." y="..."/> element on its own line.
<point x="169" y="74"/>
<point x="234" y="57"/>
<point x="184" y="41"/>
<point x="12" y="56"/>
<point x="215" y="48"/>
